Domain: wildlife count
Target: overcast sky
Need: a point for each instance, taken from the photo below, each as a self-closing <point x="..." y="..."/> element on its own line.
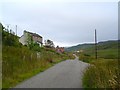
<point x="65" y="22"/>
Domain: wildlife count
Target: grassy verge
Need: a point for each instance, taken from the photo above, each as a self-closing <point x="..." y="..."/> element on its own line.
<point x="103" y="72"/>
<point x="21" y="63"/>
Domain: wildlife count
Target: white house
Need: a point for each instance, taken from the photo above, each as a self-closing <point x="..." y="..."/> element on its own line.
<point x="35" y="37"/>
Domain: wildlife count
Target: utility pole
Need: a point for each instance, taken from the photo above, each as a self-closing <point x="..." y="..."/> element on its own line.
<point x="95" y="44"/>
<point x="16" y="29"/>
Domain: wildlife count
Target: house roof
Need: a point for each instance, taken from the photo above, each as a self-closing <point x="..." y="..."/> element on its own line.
<point x="33" y="34"/>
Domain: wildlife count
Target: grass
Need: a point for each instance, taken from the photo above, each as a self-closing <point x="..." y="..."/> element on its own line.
<point x="103" y="53"/>
<point x="86" y="58"/>
<point x="103" y="72"/>
<point x="108" y="54"/>
<point x="21" y="63"/>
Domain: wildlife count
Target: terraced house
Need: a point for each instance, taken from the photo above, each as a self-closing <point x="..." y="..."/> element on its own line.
<point x="27" y="36"/>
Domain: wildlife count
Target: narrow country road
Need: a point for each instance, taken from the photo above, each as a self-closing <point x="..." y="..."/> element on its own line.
<point x="67" y="74"/>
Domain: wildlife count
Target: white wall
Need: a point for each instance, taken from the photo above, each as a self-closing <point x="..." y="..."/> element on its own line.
<point x="23" y="40"/>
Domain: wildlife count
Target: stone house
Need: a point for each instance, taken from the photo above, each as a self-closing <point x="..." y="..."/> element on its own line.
<point x="24" y="39"/>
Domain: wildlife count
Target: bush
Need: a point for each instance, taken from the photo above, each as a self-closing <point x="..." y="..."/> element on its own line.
<point x="9" y="39"/>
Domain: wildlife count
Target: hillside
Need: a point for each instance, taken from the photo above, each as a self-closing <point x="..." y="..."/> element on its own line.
<point x="101" y="45"/>
<point x="78" y="47"/>
<point x="20" y="62"/>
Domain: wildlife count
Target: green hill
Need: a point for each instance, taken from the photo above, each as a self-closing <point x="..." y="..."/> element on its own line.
<point x="78" y="47"/>
<point x="106" y="49"/>
<point x="101" y="45"/>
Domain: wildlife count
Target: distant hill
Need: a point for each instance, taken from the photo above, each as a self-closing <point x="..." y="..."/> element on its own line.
<point x="101" y="45"/>
<point x="78" y="47"/>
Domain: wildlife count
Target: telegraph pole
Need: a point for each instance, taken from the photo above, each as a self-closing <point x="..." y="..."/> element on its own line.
<point x="16" y="29"/>
<point x="95" y="44"/>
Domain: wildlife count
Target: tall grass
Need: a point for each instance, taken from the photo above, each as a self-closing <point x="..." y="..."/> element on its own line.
<point x="21" y="63"/>
<point x="102" y="73"/>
